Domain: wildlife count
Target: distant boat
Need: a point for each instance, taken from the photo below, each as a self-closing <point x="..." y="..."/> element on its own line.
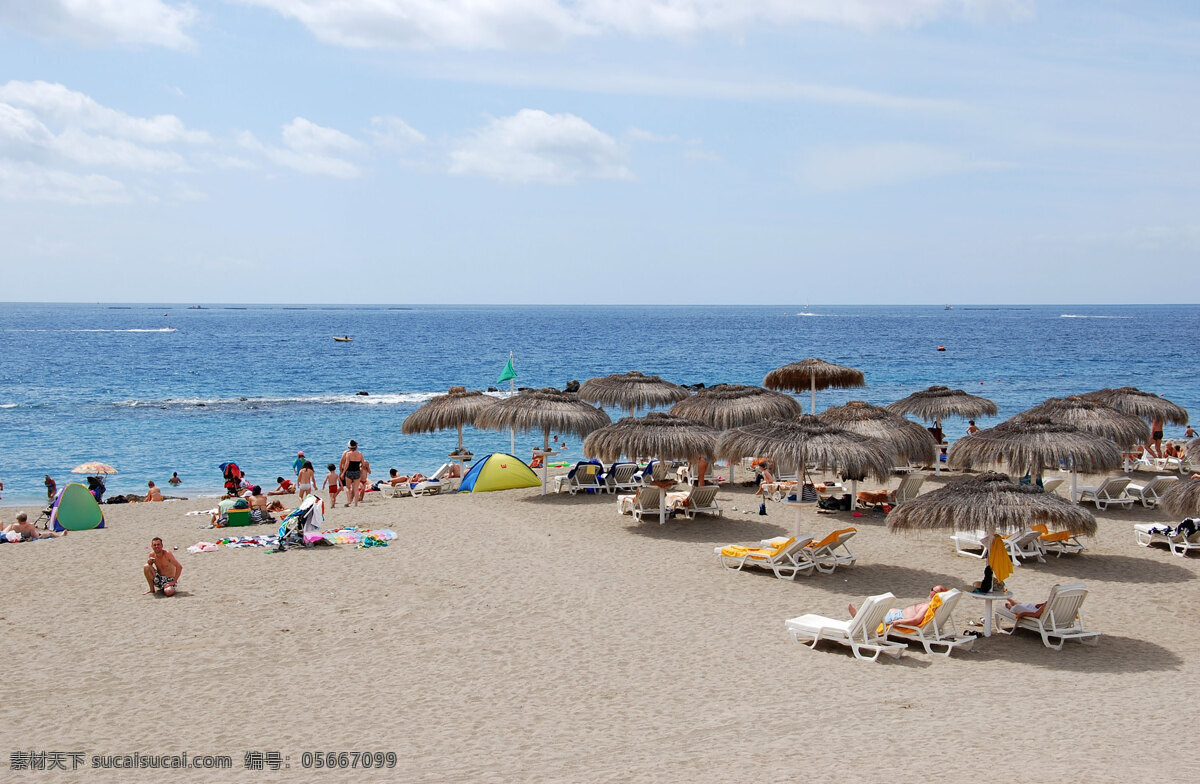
<point x="343" y="339"/>
<point x="948" y="307"/>
<point x="197" y="307"/>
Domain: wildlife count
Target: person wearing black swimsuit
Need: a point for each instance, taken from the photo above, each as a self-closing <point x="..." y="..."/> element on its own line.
<point x="351" y="471"/>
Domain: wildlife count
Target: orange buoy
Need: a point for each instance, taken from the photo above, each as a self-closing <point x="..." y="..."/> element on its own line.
<point x="941" y="348"/>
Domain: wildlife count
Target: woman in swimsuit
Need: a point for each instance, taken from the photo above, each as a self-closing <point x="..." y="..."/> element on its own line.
<point x="331" y="484"/>
<point x="305" y="480"/>
<point x="351" y="468"/>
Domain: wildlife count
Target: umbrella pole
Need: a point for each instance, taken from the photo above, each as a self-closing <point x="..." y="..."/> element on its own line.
<point x="1074" y="483"/>
<point x="853" y="494"/>
<point x="512" y="431"/>
<point x="937" y="453"/>
<point x="812" y="388"/>
<point x="545" y="455"/>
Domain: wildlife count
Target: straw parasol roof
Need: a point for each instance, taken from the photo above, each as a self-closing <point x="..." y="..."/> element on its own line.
<point x="660" y="435"/>
<point x="545" y="410"/>
<point x="910" y="441"/>
<point x="454" y="409"/>
<point x="1182" y="498"/>
<point x="1092" y="417"/>
<point x="806" y="439"/>
<point x="1146" y="405"/>
<point x="937" y="403"/>
<point x="631" y="391"/>
<point x="992" y="503"/>
<point x="813" y="374"/>
<point x="726" y="406"/>
<point x="1032" y="444"/>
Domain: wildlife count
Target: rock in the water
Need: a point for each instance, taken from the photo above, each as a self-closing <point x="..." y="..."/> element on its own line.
<point x="364" y="394"/>
<point x="572" y="386"/>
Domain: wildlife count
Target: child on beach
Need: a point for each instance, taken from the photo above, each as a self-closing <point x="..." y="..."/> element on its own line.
<point x="305" y="480"/>
<point x="331" y="484"/>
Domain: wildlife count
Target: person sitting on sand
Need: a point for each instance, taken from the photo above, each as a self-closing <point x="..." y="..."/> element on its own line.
<point x="285" y="487"/>
<point x="174" y="481"/>
<point x="912" y="614"/>
<point x="154" y="494"/>
<point x="162" y="569"/>
<point x="26" y="531"/>
<point x="258" y="507"/>
<point x="220" y="517"/>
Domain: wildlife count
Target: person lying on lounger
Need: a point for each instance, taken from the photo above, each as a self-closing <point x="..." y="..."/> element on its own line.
<point x="1025" y="609"/>
<point x="910" y="615"/>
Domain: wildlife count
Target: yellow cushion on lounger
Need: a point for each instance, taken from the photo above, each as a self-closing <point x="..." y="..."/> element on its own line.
<point x="737" y="551"/>
<point x="833" y="537"/>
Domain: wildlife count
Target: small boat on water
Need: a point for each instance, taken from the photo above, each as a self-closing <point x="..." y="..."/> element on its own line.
<point x="948" y="307"/>
<point x="343" y="339"/>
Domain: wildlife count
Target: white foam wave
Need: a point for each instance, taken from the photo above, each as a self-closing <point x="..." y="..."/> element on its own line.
<point x="806" y="313"/>
<point x="9" y="405"/>
<point x="160" y="329"/>
<point x="385" y="399"/>
<point x="1077" y="315"/>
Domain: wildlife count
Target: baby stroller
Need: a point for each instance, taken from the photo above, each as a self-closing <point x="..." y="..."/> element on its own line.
<point x="233" y="477"/>
<point x="302" y="528"/>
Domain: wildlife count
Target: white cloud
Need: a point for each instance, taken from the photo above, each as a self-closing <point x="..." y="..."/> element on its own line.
<point x="21" y="182"/>
<point x="877" y="165"/>
<point x="309" y="148"/>
<point x="392" y="133"/>
<point x="103" y="22"/>
<point x="475" y="24"/>
<point x="533" y="146"/>
<point x="58" y="104"/>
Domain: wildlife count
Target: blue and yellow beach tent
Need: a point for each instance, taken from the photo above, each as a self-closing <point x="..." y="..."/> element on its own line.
<point x="498" y="471"/>
<point x="75" y="509"/>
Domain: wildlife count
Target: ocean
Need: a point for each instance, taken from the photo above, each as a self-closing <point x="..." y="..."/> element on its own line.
<point x="152" y="389"/>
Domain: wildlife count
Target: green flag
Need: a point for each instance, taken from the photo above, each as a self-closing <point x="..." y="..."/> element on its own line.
<point x="508" y="371"/>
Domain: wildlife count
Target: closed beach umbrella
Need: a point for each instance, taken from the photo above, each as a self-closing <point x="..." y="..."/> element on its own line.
<point x="1033" y="444"/>
<point x="456" y="408"/>
<point x="1090" y="416"/>
<point x="909" y="440"/>
<point x="1182" y="498"/>
<point x="807" y="439"/>
<point x="813" y="374"/>
<point x="1146" y="405"/>
<point x="938" y="403"/>
<point x="631" y="391"/>
<point x="727" y="406"/>
<point x="665" y="436"/>
<point x="94" y="469"/>
<point x="545" y="410"/>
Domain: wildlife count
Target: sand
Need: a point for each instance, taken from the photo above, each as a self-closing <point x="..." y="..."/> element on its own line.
<point x="509" y="637"/>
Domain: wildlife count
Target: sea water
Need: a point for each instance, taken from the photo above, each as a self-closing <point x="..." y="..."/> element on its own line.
<point x="152" y="389"/>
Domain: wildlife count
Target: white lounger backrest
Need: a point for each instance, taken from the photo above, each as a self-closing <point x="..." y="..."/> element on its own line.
<point x="648" y="498"/>
<point x="1113" y="487"/>
<point x="622" y="474"/>
<point x="944" y="614"/>
<point x="1062" y="607"/>
<point x="702" y="497"/>
<point x="1050" y="485"/>
<point x="865" y="624"/>
<point x="909" y="486"/>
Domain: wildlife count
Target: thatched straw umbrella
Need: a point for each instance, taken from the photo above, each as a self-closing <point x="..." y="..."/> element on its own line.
<point x="1146" y="405"/>
<point x="456" y="408"/>
<point x="1182" y="498"/>
<point x="806" y="439"/>
<point x="631" y="391"/>
<point x="1033" y="444"/>
<point x="992" y="503"/>
<point x="1090" y="416"/>
<point x="727" y="406"/>
<point x="660" y="435"/>
<point x="545" y="410"/>
<point x="937" y="403"/>
<point x="909" y="439"/>
<point x="813" y="374"/>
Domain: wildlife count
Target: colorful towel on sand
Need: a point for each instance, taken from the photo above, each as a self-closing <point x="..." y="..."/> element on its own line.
<point x="362" y="537"/>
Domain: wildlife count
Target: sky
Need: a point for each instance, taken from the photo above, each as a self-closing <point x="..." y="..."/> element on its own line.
<point x="600" y="151"/>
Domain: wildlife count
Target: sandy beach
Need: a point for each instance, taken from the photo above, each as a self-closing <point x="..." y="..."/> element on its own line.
<point x="510" y="637"/>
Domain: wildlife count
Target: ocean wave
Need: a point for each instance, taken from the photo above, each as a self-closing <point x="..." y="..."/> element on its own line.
<point x="159" y="329"/>
<point x="806" y="313"/>
<point x="384" y="399"/>
<point x="9" y="405"/>
<point x="1077" y="315"/>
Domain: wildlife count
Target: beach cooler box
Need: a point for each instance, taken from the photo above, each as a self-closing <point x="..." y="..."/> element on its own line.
<point x="237" y="517"/>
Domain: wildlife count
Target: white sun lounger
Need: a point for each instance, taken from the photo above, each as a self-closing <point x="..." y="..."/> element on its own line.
<point x="1150" y="494"/>
<point x="1110" y="491"/>
<point x="1026" y="544"/>
<point x="861" y="632"/>
<point x="1180" y="544"/>
<point x="786" y="559"/>
<point x="938" y="631"/>
<point x="1060" y="618"/>
<point x="701" y="500"/>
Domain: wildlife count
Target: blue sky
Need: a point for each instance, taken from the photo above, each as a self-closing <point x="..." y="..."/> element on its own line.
<point x="638" y="151"/>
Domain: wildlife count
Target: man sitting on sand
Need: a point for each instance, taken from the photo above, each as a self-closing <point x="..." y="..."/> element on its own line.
<point x="26" y="531"/>
<point x="162" y="569"/>
<point x="285" y="487"/>
<point x="910" y="615"/>
<point x="154" y="493"/>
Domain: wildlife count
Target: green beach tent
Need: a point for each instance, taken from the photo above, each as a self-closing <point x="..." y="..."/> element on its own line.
<point x="75" y="509"/>
<point x="498" y="471"/>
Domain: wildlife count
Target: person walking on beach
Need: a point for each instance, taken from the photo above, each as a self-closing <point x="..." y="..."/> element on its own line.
<point x="306" y="480"/>
<point x="162" y="569"/>
<point x="51" y="489"/>
<point x="298" y="463"/>
<point x="331" y="484"/>
<point x="351" y="470"/>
